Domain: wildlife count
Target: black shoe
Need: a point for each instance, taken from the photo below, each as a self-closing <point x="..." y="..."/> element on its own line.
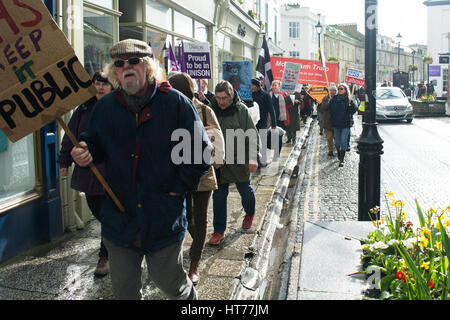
<point x="348" y="149"/>
<point x="330" y="154"/>
<point x="341" y="164"/>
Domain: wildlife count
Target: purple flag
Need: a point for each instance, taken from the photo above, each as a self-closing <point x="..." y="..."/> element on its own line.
<point x="173" y="63"/>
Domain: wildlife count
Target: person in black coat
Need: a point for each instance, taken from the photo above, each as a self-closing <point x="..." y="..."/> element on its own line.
<point x="83" y="179"/>
<point x="341" y="111"/>
<point x="266" y="109"/>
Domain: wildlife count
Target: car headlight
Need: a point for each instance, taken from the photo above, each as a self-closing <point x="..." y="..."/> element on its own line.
<point x="381" y="107"/>
<point x="409" y="107"/>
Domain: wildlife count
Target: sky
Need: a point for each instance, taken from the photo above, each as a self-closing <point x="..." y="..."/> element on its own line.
<point x="407" y="17"/>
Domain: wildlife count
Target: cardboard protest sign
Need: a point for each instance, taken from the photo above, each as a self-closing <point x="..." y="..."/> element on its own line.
<point x="196" y="60"/>
<point x="290" y="76"/>
<point x="239" y="74"/>
<point x="157" y="40"/>
<point x="40" y="76"/>
<point x="355" y="77"/>
<point x="318" y="93"/>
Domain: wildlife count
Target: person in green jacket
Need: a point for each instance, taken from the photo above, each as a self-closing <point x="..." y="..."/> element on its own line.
<point x="241" y="148"/>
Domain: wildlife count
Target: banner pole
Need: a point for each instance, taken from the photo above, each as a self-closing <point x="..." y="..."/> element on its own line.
<point x="92" y="166"/>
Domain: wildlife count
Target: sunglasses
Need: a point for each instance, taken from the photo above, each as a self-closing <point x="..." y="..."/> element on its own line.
<point x="132" y="61"/>
<point x="341" y="89"/>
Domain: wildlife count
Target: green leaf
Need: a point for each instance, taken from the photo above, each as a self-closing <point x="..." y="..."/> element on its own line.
<point x="385" y="282"/>
<point x="425" y="294"/>
<point x="420" y="214"/>
<point x="445" y="239"/>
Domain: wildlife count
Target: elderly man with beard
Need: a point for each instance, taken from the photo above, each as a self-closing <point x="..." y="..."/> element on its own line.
<point x="131" y="130"/>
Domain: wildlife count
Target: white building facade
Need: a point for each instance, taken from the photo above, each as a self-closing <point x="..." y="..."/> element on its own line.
<point x="299" y="38"/>
<point x="438" y="13"/>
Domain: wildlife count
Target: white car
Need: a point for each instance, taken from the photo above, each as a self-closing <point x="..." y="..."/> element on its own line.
<point x="393" y="104"/>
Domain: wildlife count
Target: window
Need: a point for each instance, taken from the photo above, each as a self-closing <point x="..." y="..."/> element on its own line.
<point x="159" y="15"/>
<point x="103" y="3"/>
<point x="201" y="32"/>
<point x="294" y="30"/>
<point x="223" y="42"/>
<point x="294" y="54"/>
<point x="248" y="53"/>
<point x="98" y="38"/>
<point x="17" y="167"/>
<point x="445" y="80"/>
<point x="183" y="24"/>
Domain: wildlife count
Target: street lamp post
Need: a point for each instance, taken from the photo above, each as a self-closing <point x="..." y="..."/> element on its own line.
<point x="319" y="29"/>
<point x="370" y="144"/>
<point x="399" y="38"/>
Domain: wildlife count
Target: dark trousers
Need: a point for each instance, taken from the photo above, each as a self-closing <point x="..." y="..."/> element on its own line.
<point x="196" y="210"/>
<point x="95" y="203"/>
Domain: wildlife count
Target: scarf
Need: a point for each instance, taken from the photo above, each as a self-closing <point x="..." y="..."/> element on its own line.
<point x="341" y="99"/>
<point x="134" y="103"/>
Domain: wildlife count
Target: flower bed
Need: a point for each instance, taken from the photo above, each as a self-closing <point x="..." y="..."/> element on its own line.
<point x="412" y="261"/>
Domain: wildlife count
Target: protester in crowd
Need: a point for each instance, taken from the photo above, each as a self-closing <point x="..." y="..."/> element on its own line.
<point x="384" y="84"/>
<point x="279" y="103"/>
<point x="263" y="83"/>
<point x="83" y="179"/>
<point x="204" y="95"/>
<point x="422" y="90"/>
<point x="266" y="112"/>
<point x="197" y="202"/>
<point x="132" y="130"/>
<point x="327" y="125"/>
<point x="307" y="104"/>
<point x="341" y="110"/>
<point x="233" y="115"/>
<point x="292" y="123"/>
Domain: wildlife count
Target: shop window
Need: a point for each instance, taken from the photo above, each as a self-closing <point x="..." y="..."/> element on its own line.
<point x="131" y="33"/>
<point x="103" y="3"/>
<point x="201" y="32"/>
<point x="17" y="168"/>
<point x="223" y="42"/>
<point x="98" y="39"/>
<point x="183" y="24"/>
<point x="160" y="15"/>
<point x="248" y="53"/>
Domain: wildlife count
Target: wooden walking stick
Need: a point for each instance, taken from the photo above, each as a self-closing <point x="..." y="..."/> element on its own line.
<point x="92" y="166"/>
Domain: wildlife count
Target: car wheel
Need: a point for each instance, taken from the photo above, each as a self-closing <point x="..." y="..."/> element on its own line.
<point x="409" y="120"/>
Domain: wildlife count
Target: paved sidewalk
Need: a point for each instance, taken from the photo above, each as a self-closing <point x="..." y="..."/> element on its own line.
<point x="64" y="269"/>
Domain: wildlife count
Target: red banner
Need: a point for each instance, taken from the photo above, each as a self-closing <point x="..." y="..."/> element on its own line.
<point x="311" y="72"/>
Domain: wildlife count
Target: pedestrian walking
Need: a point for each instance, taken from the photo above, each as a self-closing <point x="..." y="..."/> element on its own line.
<point x="293" y="118"/>
<point x="204" y="95"/>
<point x="279" y="103"/>
<point x="326" y="120"/>
<point x="341" y="110"/>
<point x="266" y="114"/>
<point x="132" y="128"/>
<point x="233" y="116"/>
<point x="307" y="104"/>
<point x="83" y="179"/>
<point x="280" y="107"/>
<point x="197" y="202"/>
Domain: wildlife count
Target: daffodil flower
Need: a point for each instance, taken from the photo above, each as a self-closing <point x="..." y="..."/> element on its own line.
<point x="425" y="265"/>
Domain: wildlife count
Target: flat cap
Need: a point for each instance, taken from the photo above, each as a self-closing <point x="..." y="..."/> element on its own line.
<point x="130" y="48"/>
